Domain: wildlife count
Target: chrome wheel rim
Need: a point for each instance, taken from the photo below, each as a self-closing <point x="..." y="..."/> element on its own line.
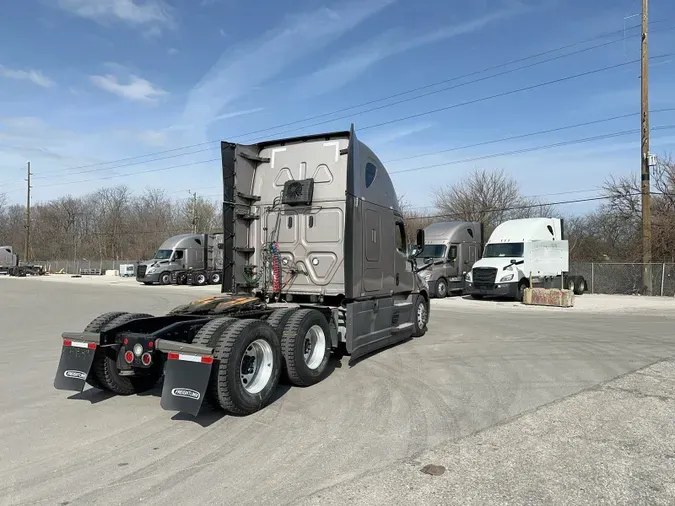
<point x="314" y="347"/>
<point x="255" y="369"/>
<point x="421" y="315"/>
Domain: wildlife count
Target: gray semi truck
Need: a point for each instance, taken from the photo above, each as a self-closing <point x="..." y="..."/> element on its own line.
<point x="11" y="266"/>
<point x="314" y="260"/>
<point x="450" y="250"/>
<point x="195" y="259"/>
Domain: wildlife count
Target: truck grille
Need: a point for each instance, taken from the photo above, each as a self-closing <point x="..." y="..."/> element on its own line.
<point x="140" y="271"/>
<point x="484" y="276"/>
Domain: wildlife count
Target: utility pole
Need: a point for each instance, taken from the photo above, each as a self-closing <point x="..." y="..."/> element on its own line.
<point x="27" y="245"/>
<point x="644" y="161"/>
<point x="194" y="211"/>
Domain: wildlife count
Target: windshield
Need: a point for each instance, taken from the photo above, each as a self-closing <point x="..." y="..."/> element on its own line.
<point x="506" y="249"/>
<point x="163" y="254"/>
<point x="433" y="251"/>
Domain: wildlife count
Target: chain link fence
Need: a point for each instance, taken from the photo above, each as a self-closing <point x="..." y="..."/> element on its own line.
<point x="83" y="266"/>
<point x="625" y="278"/>
<point x="601" y="277"/>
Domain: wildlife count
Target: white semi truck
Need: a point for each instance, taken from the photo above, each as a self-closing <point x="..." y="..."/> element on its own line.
<point x="519" y="251"/>
<point x="315" y="259"/>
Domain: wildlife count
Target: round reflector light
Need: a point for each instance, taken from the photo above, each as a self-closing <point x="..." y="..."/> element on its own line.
<point x="146" y="358"/>
<point x="129" y="357"/>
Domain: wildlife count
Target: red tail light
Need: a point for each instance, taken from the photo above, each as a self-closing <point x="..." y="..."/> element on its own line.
<point x="146" y="358"/>
<point x="129" y="357"/>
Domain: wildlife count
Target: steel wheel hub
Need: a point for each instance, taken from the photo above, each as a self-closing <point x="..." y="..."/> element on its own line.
<point x="314" y="347"/>
<point x="256" y="366"/>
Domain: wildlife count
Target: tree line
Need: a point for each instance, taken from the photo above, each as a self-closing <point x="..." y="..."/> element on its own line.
<point x="114" y="224"/>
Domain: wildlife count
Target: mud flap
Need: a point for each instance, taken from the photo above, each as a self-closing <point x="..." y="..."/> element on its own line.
<point x="74" y="365"/>
<point x="186" y="379"/>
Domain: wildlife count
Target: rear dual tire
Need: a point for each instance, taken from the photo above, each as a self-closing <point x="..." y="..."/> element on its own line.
<point x="247" y="364"/>
<point x="306" y="347"/>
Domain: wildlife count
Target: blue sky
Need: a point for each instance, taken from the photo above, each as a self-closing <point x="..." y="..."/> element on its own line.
<point x="84" y="82"/>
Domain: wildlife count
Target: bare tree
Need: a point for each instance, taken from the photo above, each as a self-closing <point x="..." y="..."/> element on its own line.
<point x="414" y="220"/>
<point x="490" y="197"/>
<point x="624" y="210"/>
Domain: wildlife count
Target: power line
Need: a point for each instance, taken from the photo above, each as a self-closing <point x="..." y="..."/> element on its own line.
<point x="358" y="113"/>
<point x="510" y="92"/>
<point x="494" y="67"/>
<point x="538" y="132"/>
<point x="530" y="149"/>
<point x="529" y="134"/>
<point x="498" y="95"/>
<point x="454" y="162"/>
<point x="522" y="207"/>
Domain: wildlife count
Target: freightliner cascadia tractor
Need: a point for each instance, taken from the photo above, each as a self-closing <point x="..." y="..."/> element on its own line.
<point x="315" y="260"/>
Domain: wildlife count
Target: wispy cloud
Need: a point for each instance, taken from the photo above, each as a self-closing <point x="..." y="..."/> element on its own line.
<point x="396" y="134"/>
<point x="137" y="88"/>
<point x="296" y="37"/>
<point x="34" y="76"/>
<point x="172" y="51"/>
<point x="344" y="70"/>
<point x="135" y="12"/>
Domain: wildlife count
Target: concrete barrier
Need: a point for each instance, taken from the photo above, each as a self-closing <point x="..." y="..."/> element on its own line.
<point x="548" y="297"/>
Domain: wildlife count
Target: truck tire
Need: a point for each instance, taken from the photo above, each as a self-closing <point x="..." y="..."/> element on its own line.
<point x="306" y="347"/>
<point x="572" y="283"/>
<point x="441" y="288"/>
<point x="165" y="278"/>
<point x="420" y="316"/>
<point x="181" y="278"/>
<point x="521" y="290"/>
<point x="278" y="320"/>
<point x="199" y="278"/>
<point x="106" y="370"/>
<point x="214" y="279"/>
<point x="580" y="286"/>
<point x="97" y="325"/>
<point x="249" y="346"/>
<point x="208" y="335"/>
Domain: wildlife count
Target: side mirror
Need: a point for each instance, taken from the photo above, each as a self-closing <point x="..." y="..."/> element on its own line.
<point x="420" y="241"/>
<point x="514" y="261"/>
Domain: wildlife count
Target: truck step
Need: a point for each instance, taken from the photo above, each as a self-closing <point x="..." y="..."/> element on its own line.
<point x="247" y="216"/>
<point x="254" y="158"/>
<point x="245" y="250"/>
<point x="246" y="196"/>
<point x="403" y="304"/>
<point x="402" y="327"/>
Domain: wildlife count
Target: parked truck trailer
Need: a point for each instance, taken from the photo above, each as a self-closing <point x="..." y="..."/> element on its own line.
<point x="520" y="250"/>
<point x="450" y="250"/>
<point x="315" y="259"/>
<point x="195" y="259"/>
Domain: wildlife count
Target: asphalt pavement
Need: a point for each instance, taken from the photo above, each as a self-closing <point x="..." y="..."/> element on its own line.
<point x="463" y="389"/>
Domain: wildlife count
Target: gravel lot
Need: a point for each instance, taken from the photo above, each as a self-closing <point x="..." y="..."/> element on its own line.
<point x="473" y="383"/>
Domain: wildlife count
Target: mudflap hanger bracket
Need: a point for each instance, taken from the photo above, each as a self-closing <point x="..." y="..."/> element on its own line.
<point x="77" y="355"/>
<point x="186" y="375"/>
